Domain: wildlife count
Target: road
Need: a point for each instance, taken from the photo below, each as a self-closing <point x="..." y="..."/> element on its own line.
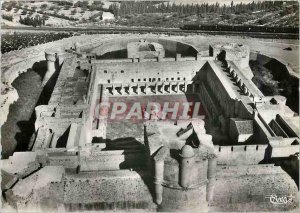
<point x="169" y="31"/>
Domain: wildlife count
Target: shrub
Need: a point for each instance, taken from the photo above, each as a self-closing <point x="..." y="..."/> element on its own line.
<point x="44" y="6"/>
<point x="67" y="7"/>
<point x="7" y="17"/>
<point x="46" y="17"/>
<point x="24" y="12"/>
<point x="73" y="12"/>
<point x="9" y="8"/>
<point x="54" y="8"/>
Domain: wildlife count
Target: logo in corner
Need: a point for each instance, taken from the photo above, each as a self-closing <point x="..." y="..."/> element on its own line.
<point x="279" y="200"/>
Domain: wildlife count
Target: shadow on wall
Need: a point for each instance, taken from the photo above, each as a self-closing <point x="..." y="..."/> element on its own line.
<point x="288" y="84"/>
<point x="27" y="130"/>
<point x="140" y="165"/>
<point x="17" y="130"/>
<point x="116" y="49"/>
<point x="63" y="139"/>
<point x="117" y="54"/>
<point x="291" y="166"/>
<point x="222" y="56"/>
<point x="136" y="158"/>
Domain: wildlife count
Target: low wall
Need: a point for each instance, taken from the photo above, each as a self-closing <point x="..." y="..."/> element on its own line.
<point x="170" y="46"/>
<point x="111" y="160"/>
<point x="240" y="155"/>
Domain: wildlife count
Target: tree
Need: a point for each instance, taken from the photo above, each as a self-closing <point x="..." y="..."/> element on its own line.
<point x="9" y="8"/>
<point x="44" y="6"/>
<point x="73" y="12"/>
<point x="7" y="17"/>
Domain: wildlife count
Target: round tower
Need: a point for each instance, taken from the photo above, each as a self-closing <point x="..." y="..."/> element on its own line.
<point x="51" y="58"/>
<point x="158" y="180"/>
<point x="77" y="47"/>
<point x="211" y="178"/>
<point x="180" y="180"/>
<point x="187" y="164"/>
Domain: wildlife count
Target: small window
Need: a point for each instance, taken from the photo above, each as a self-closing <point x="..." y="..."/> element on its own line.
<point x="108" y="81"/>
<point x="105" y="71"/>
<point x="145" y="79"/>
<point x="178" y="78"/>
<point x="177" y="72"/>
<point x="122" y="71"/>
<point x="172" y="79"/>
<point x="153" y="79"/>
<point x="132" y="80"/>
<point x="158" y="79"/>
<point x="149" y="79"/>
<point x="139" y="79"/>
<point x="167" y="79"/>
<point x="183" y="78"/>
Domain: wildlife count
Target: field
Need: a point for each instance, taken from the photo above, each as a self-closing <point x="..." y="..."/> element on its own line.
<point x="56" y="14"/>
<point x="151" y="14"/>
<point x="17" y="41"/>
<point x="281" y="18"/>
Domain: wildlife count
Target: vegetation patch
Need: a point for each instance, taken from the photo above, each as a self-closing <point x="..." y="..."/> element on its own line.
<point x="17" y="41"/>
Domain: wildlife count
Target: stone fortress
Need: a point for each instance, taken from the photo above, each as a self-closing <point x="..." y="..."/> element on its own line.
<point x="231" y="159"/>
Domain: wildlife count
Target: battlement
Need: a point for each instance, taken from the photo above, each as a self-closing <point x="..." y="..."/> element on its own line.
<point x="240" y="155"/>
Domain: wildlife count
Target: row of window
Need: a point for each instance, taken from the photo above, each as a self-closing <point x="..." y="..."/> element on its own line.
<point x="105" y="71"/>
<point x="153" y="79"/>
<point x="122" y="71"/>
